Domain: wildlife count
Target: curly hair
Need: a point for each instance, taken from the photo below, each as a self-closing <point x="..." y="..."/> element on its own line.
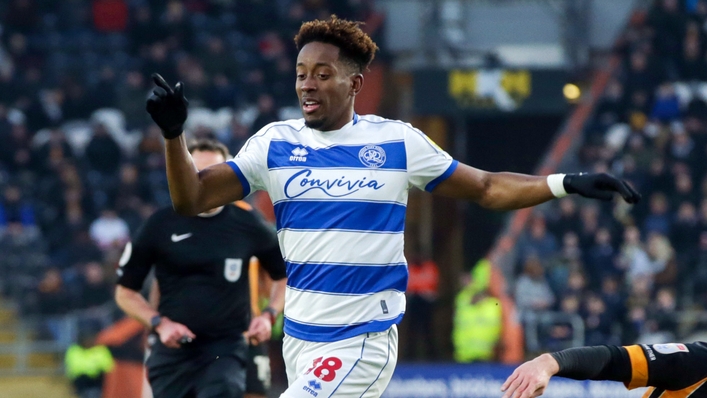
<point x="354" y="44"/>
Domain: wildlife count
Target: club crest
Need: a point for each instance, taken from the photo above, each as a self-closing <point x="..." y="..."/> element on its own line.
<point x="372" y="156"/>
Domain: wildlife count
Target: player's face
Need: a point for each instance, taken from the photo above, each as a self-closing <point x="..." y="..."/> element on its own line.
<point x="326" y="87"/>
<point x="204" y="159"/>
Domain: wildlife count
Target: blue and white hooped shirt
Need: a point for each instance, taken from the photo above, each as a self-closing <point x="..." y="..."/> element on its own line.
<point x="340" y="199"/>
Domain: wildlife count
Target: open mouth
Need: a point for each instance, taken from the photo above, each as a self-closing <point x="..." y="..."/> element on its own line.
<point x="310" y="106"/>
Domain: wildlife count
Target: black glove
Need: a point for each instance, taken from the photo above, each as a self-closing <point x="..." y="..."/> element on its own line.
<point x="168" y="107"/>
<point x="599" y="186"/>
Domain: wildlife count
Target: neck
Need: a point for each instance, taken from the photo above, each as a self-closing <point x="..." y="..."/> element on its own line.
<point x="345" y="119"/>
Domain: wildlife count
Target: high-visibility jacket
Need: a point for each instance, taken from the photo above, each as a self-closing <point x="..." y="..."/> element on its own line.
<point x="477" y="328"/>
<point x="91" y="362"/>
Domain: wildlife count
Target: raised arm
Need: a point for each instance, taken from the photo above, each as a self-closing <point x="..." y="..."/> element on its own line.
<point x="510" y="191"/>
<point x="192" y="191"/>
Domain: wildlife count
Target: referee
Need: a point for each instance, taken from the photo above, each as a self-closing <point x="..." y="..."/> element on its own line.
<point x="669" y="370"/>
<point x="201" y="266"/>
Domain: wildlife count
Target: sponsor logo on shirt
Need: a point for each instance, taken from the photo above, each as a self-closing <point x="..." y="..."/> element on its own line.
<point x="312" y="386"/>
<point x="304" y="181"/>
<point x="178" y="238"/>
<point x="299" y="155"/>
<point x="670" y="348"/>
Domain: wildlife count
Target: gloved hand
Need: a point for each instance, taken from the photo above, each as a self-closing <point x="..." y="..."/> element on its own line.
<point x="599" y="186"/>
<point x="168" y="107"/>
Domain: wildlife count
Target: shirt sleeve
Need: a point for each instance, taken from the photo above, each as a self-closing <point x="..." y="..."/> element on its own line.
<point x="671" y="367"/>
<point x="427" y="164"/>
<point x="268" y="253"/>
<point x="137" y="258"/>
<point x="250" y="164"/>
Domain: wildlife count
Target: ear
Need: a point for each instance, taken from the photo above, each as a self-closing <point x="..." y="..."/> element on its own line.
<point x="356" y="84"/>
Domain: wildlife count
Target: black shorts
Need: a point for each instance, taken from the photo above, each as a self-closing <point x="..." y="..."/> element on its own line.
<point x="198" y="370"/>
<point x="258" y="372"/>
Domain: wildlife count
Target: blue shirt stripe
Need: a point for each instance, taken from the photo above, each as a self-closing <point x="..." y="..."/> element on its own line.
<point x="433" y="184"/>
<point x="241" y="177"/>
<point x="286" y="154"/>
<point x="340" y="215"/>
<point x="326" y="334"/>
<point x="346" y="279"/>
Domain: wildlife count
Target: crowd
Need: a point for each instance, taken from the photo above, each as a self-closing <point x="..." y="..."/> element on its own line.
<point x="627" y="272"/>
<point x="81" y="163"/>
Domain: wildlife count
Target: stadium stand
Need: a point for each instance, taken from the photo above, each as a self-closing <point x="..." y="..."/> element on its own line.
<point x="81" y="164"/>
<point x="605" y="273"/>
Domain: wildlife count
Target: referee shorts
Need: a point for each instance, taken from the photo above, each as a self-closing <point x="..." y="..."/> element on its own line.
<point x="361" y="366"/>
<point x="198" y="370"/>
<point x="258" y="370"/>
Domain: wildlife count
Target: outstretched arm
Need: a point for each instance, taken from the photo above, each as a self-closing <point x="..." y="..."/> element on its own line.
<point x="510" y="191"/>
<point x="192" y="191"/>
<point x="530" y="379"/>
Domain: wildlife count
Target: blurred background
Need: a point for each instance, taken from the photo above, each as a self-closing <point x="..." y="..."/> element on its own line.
<point x="532" y="86"/>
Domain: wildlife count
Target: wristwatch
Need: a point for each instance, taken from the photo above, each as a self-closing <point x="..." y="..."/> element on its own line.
<point x="155" y="321"/>
<point x="271" y="312"/>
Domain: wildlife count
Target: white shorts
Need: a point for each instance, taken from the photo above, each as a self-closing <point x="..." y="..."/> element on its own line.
<point x="361" y="366"/>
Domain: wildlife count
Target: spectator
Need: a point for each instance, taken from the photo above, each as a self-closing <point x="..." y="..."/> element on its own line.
<point x="143" y="30"/>
<point x="103" y="153"/>
<point x="87" y="363"/>
<point x="16" y="153"/>
<point x="477" y="318"/>
<point x="666" y="107"/>
<point x="422" y="292"/>
<point x="158" y="61"/>
<point x="532" y="291"/>
<point x="612" y="296"/>
<point x="658" y="219"/>
<point x="95" y="289"/>
<point x="54" y="153"/>
<point x="684" y="191"/>
<point x="178" y="30"/>
<point x="538" y="241"/>
<point x="685" y="231"/>
<point x="12" y="207"/>
<point x="53" y="301"/>
<point x="130" y="99"/>
<point x="567" y="219"/>
<point x="661" y="322"/>
<point x="633" y="257"/>
<point x="601" y="261"/>
<point x="662" y="257"/>
<point x="669" y="24"/>
<point x="568" y="258"/>
<point x="692" y="66"/>
<point x="222" y="93"/>
<point x="598" y="322"/>
<point x="109" y="231"/>
<point x="217" y="60"/>
<point x="561" y="334"/>
<point x="266" y="112"/>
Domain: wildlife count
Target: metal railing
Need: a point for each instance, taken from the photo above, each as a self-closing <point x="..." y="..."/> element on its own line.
<point x="536" y="323"/>
<point x="27" y="339"/>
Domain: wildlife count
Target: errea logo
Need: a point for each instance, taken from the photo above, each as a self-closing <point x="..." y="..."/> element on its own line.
<point x="299" y="155"/>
